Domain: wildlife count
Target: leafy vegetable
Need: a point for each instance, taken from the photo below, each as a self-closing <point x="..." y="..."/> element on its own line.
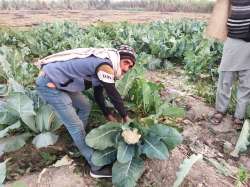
<point x="243" y="140"/>
<point x="112" y="144"/>
<point x="185" y="168"/>
<point x="2" y="171"/>
<point x="126" y="174"/>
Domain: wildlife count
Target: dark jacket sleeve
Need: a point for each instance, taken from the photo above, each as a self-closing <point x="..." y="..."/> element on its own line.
<point x="100" y="100"/>
<point x="114" y="97"/>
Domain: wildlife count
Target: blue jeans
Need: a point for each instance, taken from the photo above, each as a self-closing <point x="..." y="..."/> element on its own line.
<point x="65" y="105"/>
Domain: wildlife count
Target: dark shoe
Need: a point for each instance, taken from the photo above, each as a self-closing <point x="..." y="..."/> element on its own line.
<point x="105" y="172"/>
<point x="217" y="118"/>
<point x="238" y="123"/>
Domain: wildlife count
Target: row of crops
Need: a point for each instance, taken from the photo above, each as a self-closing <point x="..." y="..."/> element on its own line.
<point x="180" y="42"/>
<point x="158" y="45"/>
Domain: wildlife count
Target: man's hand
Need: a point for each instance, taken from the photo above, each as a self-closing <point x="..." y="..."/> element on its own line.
<point x="110" y="117"/>
<point x="126" y="119"/>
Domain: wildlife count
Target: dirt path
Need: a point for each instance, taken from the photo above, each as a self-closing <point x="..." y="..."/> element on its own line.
<point x="27" y="18"/>
<point x="199" y="137"/>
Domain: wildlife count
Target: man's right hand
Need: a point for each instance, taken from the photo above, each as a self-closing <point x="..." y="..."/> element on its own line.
<point x="111" y="118"/>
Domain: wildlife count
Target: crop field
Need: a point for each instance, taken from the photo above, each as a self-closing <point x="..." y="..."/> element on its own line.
<point x="28" y="18"/>
<point x="169" y="94"/>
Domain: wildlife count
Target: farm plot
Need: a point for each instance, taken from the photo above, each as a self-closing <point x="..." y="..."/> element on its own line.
<point x="160" y="103"/>
<point x="27" y="18"/>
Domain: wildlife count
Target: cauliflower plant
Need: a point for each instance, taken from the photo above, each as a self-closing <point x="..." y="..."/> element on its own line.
<point x="131" y="136"/>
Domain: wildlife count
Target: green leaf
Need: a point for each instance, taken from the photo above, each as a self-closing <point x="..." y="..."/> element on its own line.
<point x="166" y="110"/>
<point x="22" y="106"/>
<point x="15" y="86"/>
<point x="46" y="119"/>
<point x="243" y="141"/>
<point x="3" y="171"/>
<point x="127" y="174"/>
<point x="13" y="143"/>
<point x="146" y="96"/>
<point x="154" y="148"/>
<point x="4" y="132"/>
<point x="125" y="152"/>
<point x="248" y="111"/>
<point x="103" y="136"/>
<point x="19" y="184"/>
<point x="126" y="83"/>
<point x="6" y="117"/>
<point x="45" y="139"/>
<point x="155" y="64"/>
<point x="185" y="168"/>
<point x="169" y="135"/>
<point x="149" y="120"/>
<point x="5" y="65"/>
<point x="105" y="157"/>
<point x="3" y="89"/>
<point x="223" y="167"/>
<point x="56" y="123"/>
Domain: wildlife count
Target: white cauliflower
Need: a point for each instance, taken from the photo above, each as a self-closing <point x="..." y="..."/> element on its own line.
<point x="131" y="136"/>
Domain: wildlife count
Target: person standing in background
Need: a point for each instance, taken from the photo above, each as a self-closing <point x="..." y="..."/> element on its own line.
<point x="235" y="64"/>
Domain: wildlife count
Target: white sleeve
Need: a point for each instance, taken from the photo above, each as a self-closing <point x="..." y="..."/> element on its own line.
<point x="105" y="77"/>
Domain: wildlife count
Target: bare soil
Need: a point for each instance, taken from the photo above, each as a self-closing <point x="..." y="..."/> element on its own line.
<point x="27" y="18"/>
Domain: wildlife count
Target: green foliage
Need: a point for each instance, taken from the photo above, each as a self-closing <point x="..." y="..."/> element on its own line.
<point x="104" y="157"/>
<point x="158" y="45"/>
<point x="248" y="111"/>
<point x="2" y="171"/>
<point x="21" y="105"/>
<point x="5" y="131"/>
<point x="13" y="143"/>
<point x="19" y="184"/>
<point x="170" y="136"/>
<point x="48" y="157"/>
<point x="126" y="83"/>
<point x="126" y="174"/>
<point x="46" y="122"/>
<point x="222" y="167"/>
<point x="242" y="176"/>
<point x="103" y="137"/>
<point x="165" y="109"/>
<point x="154" y="142"/>
<point x="203" y="59"/>
<point x="185" y="168"/>
<point x="125" y="152"/>
<point x="46" y="119"/>
<point x="206" y="90"/>
<point x="154" y="148"/>
<point x="19" y="109"/>
<point x="243" y="140"/>
<point x="6" y="118"/>
<point x="3" y="89"/>
<point x="14" y="67"/>
<point x="145" y="95"/>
